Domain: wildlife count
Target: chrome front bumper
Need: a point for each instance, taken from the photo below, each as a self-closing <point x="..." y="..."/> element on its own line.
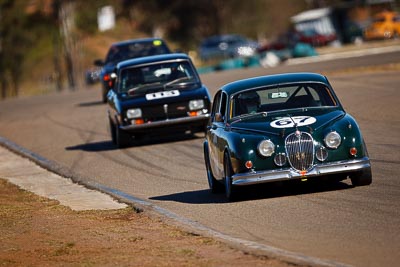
<point x="166" y="123"/>
<point x="257" y="177"/>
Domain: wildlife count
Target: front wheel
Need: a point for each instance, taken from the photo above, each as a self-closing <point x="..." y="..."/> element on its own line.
<point x="214" y="185"/>
<point x="361" y="178"/>
<point x="113" y="132"/>
<point x="122" y="139"/>
<point x="104" y="93"/>
<point x="230" y="190"/>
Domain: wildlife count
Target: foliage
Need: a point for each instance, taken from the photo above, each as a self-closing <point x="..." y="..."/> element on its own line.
<point x="187" y="22"/>
<point x="29" y="39"/>
<point x="20" y="33"/>
<point x="86" y="15"/>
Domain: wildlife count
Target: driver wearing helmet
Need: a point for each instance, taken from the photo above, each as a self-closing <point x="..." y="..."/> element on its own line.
<point x="248" y="103"/>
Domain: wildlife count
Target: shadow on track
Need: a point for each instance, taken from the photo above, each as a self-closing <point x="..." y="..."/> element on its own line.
<point x="94" y="147"/>
<point x="90" y="104"/>
<point x="146" y="141"/>
<point x="256" y="192"/>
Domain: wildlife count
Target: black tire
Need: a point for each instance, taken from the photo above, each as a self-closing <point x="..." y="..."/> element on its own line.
<point x="122" y="139"/>
<point x="104" y="93"/>
<point x="113" y="132"/>
<point x="230" y="190"/>
<point x="214" y="185"/>
<point x="361" y="178"/>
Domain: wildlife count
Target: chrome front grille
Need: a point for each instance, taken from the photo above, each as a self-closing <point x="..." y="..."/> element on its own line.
<point x="300" y="150"/>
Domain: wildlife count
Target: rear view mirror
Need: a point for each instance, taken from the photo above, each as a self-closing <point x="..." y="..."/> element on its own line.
<point x="218" y="117"/>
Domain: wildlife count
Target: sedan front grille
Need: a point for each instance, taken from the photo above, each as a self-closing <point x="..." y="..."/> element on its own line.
<point x="300" y="150"/>
<point x="163" y="111"/>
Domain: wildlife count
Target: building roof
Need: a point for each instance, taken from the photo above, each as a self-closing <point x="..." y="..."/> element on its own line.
<point x="312" y="14"/>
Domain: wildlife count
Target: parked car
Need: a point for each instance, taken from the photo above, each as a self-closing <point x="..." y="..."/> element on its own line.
<point x="227" y="46"/>
<point x="385" y="25"/>
<point x="124" y="50"/>
<point x="92" y="76"/>
<point x="291" y="38"/>
<point x="314" y="38"/>
<point x="283" y="127"/>
<point x="154" y="95"/>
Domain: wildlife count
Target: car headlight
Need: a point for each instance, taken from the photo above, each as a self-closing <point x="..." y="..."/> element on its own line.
<point x="196" y="104"/>
<point x="266" y="148"/>
<point x="333" y="140"/>
<point x="134" y="113"/>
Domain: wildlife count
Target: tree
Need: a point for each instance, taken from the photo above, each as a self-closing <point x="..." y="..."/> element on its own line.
<point x="187" y="22"/>
<point x="13" y="45"/>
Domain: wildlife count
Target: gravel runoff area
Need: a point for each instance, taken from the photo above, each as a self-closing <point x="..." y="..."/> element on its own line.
<point x="47" y="220"/>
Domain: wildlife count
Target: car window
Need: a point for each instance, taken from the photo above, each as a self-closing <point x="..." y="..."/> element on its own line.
<point x="219" y="106"/>
<point x="222" y="109"/>
<point x="303" y="95"/>
<point x="145" y="78"/>
<point x="216" y="104"/>
<point x="118" y="53"/>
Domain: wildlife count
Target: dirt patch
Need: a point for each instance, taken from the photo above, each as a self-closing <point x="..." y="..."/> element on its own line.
<point x="36" y="231"/>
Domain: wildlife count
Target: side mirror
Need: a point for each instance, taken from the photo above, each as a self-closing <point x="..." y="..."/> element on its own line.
<point x="99" y="62"/>
<point x="218" y="117"/>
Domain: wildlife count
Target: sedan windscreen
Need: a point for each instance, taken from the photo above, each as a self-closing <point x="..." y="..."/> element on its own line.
<point x="304" y="95"/>
<point x="164" y="75"/>
<point x="120" y="53"/>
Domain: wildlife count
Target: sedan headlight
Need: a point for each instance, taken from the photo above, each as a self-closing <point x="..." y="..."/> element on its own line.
<point x="196" y="104"/>
<point x="134" y="113"/>
<point x="333" y="140"/>
<point x="266" y="148"/>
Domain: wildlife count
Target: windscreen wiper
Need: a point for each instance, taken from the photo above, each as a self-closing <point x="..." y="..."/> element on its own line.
<point x="130" y="91"/>
<point x="175" y="81"/>
<point x="249" y="116"/>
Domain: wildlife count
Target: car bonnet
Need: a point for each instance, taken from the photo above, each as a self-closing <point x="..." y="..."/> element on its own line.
<point x="276" y="123"/>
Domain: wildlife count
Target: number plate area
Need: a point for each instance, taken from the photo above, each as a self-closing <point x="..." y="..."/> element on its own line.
<point x="165" y="94"/>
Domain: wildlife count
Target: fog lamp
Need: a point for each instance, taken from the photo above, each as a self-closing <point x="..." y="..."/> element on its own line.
<point x="321" y="153"/>
<point x="280" y="159"/>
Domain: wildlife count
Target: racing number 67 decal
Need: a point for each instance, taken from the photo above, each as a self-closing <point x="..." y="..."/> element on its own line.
<point x="289" y="122"/>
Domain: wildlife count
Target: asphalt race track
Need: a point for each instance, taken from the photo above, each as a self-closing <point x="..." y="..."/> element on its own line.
<point x="336" y="223"/>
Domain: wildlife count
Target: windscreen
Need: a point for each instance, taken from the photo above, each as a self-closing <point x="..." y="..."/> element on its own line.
<point x="134" y="50"/>
<point x="161" y="75"/>
<point x="303" y="95"/>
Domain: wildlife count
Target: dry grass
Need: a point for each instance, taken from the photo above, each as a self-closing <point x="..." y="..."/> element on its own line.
<point x="36" y="231"/>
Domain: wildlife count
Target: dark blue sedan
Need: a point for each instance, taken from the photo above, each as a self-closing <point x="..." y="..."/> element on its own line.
<point x="154" y="95"/>
<point x="125" y="50"/>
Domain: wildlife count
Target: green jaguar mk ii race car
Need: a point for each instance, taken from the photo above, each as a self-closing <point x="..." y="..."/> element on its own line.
<point x="282" y="127"/>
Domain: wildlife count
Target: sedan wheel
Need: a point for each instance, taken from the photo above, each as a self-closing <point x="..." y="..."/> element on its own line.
<point x="230" y="190"/>
<point x="214" y="185"/>
<point x="113" y="132"/>
<point x="122" y="138"/>
<point x="361" y="178"/>
<point x="104" y="95"/>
